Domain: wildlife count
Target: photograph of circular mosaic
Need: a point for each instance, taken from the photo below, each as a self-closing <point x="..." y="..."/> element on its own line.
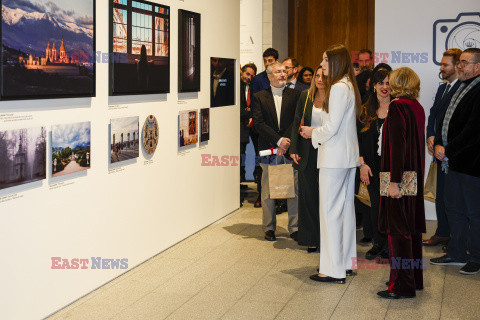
<point x="150" y="134"/>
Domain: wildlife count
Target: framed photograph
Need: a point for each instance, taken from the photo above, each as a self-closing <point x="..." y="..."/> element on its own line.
<point x="48" y="49"/>
<point x="150" y="134"/>
<point x="222" y="82"/>
<point x="188" y="51"/>
<point x="70" y="148"/>
<point x="140" y="47"/>
<point x="124" y="139"/>
<point x="22" y="156"/>
<point x="187" y="128"/>
<point x="204" y="124"/>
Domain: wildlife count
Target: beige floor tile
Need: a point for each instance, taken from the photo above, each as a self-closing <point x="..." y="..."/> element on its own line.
<point x="203" y="307"/>
<point x="461" y="295"/>
<point x="253" y="310"/>
<point x="155" y="305"/>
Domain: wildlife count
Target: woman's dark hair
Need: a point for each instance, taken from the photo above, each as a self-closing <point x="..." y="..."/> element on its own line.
<point x="362" y="80"/>
<point x="382" y="66"/>
<point x="369" y="109"/>
<point x="300" y="74"/>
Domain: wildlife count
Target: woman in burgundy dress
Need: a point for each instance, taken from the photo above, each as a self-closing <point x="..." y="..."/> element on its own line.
<point x="402" y="218"/>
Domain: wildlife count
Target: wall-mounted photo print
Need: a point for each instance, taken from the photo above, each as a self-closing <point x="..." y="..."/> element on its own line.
<point x="22" y="156"/>
<point x="188" y="51"/>
<point x="70" y="148"/>
<point x="140" y="47"/>
<point x="187" y="128"/>
<point x="204" y="124"/>
<point x="48" y="49"/>
<point x="222" y="82"/>
<point x="124" y="139"/>
<point x="150" y="134"/>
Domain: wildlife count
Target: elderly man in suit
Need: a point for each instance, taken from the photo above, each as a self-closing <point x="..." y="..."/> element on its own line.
<point x="457" y="146"/>
<point x="273" y="113"/>
<point x="444" y="94"/>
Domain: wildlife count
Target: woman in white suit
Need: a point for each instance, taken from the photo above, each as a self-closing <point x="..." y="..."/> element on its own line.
<point x="338" y="158"/>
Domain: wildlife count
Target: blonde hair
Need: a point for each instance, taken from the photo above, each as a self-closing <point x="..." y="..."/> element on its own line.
<point x="404" y="82"/>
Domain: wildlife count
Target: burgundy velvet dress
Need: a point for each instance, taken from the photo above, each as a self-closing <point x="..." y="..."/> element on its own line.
<point x="403" y="220"/>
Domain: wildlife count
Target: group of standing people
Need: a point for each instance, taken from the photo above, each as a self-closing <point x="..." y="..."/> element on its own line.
<point x="331" y="128"/>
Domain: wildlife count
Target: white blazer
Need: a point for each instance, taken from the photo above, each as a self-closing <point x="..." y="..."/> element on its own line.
<point x="336" y="139"/>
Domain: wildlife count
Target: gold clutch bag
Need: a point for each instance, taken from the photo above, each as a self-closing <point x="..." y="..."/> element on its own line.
<point x="408" y="185"/>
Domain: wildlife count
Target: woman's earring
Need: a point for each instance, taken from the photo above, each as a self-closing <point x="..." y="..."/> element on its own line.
<point x="374" y="90"/>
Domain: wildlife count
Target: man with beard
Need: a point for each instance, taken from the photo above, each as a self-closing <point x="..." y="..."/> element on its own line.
<point x="457" y="146"/>
<point x="444" y="94"/>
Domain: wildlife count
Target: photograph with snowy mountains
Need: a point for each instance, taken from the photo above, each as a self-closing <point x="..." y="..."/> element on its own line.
<point x="48" y="49"/>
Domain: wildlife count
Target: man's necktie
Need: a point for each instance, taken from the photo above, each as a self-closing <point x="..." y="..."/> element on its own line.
<point x="248" y="97"/>
<point x="446" y="91"/>
<point x="288" y="84"/>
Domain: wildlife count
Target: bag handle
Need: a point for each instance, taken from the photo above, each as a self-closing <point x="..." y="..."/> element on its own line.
<point x="302" y="121"/>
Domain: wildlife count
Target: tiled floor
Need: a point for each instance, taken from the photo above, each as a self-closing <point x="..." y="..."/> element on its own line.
<point x="227" y="271"/>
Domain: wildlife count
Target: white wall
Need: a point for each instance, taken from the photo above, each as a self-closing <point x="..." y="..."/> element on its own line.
<point x="407" y="26"/>
<point x="134" y="213"/>
<point x="251" y="36"/>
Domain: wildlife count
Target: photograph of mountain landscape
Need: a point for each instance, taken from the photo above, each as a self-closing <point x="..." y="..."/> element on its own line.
<point x="140" y="44"/>
<point x="48" y="49"/>
<point x="22" y="156"/>
<point x="70" y="148"/>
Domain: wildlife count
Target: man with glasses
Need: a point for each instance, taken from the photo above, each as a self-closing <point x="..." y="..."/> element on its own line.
<point x="457" y="146"/>
<point x="273" y="112"/>
<point x="291" y="66"/>
<point x="445" y="92"/>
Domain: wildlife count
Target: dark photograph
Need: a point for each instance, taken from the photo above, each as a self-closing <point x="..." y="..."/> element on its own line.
<point x="48" y="49"/>
<point x="188" y="51"/>
<point x="204" y="124"/>
<point x="22" y="156"/>
<point x="140" y="47"/>
<point x="222" y="82"/>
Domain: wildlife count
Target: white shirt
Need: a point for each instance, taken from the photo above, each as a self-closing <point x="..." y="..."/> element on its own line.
<point x="316" y="117"/>
<point x="246" y="91"/>
<point x="277" y="98"/>
<point x="292" y="83"/>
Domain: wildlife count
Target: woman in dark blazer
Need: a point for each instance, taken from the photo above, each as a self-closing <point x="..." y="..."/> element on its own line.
<point x="305" y="161"/>
<point x="371" y="119"/>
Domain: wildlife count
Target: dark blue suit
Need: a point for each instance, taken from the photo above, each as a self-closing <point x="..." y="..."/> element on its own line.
<point x="437" y="112"/>
<point x="259" y="82"/>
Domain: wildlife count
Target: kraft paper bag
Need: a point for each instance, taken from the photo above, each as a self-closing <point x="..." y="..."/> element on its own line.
<point x="430" y="191"/>
<point x="363" y="195"/>
<point x="281" y="181"/>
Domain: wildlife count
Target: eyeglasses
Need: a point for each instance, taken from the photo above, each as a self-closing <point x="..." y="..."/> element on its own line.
<point x="463" y="63"/>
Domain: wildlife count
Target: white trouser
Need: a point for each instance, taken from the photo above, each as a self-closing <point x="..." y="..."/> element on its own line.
<point x="337" y="221"/>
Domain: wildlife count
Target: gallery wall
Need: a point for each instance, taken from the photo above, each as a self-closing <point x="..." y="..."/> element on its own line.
<point x="412" y="45"/>
<point x="128" y="210"/>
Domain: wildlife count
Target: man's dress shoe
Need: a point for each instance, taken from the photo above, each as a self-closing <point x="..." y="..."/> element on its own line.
<point x="270" y="235"/>
<point x="435" y="240"/>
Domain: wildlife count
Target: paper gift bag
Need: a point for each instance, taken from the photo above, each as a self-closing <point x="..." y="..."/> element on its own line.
<point x="430" y="191"/>
<point x="363" y="194"/>
<point x="281" y="181"/>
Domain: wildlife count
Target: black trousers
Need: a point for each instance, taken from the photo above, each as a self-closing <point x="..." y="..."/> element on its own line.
<point x="443" y="228"/>
<point x="308" y="206"/>
<point x="462" y="204"/>
<point x="370" y="221"/>
<point x="243" y="149"/>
